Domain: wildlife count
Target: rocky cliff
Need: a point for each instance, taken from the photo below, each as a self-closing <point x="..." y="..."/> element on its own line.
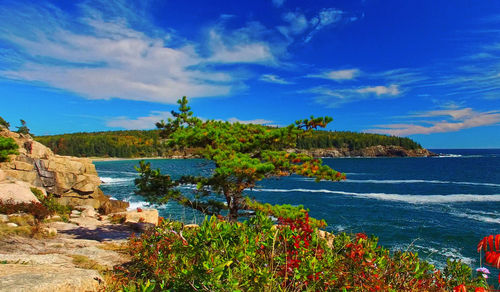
<point x="373" y="151"/>
<point x="74" y="181"/>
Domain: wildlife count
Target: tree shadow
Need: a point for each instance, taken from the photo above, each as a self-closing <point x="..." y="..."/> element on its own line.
<point x="101" y="233"/>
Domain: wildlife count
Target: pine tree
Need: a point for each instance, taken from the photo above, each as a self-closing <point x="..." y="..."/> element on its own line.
<point x="23" y="129"/>
<point x="243" y="154"/>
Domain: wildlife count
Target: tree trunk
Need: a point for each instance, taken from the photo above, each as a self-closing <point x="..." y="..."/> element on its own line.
<point x="233" y="204"/>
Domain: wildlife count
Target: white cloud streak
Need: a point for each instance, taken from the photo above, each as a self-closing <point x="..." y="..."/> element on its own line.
<point x="335" y="97"/>
<point x="102" y="57"/>
<point x="454" y="120"/>
<point x="337" y="75"/>
<point x="256" y="121"/>
<point x="271" y="78"/>
<point x="241" y="46"/>
<point x="300" y="25"/>
<point x="391" y="90"/>
<point x="140" y="123"/>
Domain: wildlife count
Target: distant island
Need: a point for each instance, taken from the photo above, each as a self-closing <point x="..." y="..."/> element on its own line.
<point x="147" y="143"/>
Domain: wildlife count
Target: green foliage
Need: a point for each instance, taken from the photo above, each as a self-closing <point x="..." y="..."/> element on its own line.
<point x="38" y="210"/>
<point x="258" y="255"/>
<point x="243" y="154"/>
<point x="51" y="203"/>
<point x="148" y="143"/>
<point x="106" y="144"/>
<point x="4" y="123"/>
<point x="7" y="147"/>
<point x="352" y="140"/>
<point x="23" y="129"/>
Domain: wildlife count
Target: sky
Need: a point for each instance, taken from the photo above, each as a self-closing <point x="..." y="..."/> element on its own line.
<point x="428" y="70"/>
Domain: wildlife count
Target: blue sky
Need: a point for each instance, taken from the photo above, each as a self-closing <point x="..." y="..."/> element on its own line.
<point x="429" y="70"/>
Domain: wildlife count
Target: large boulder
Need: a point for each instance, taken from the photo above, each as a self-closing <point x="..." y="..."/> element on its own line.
<point x="74" y="181"/>
<point x="49" y="277"/>
<point x="17" y="191"/>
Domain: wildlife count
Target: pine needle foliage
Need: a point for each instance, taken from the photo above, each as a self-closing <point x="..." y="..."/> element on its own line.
<point x="7" y="147"/>
<point x="243" y="154"/>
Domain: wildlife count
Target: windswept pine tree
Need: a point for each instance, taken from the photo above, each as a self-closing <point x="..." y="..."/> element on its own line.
<point x="243" y="154"/>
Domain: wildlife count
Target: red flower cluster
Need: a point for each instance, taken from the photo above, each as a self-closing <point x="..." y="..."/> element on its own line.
<point x="300" y="249"/>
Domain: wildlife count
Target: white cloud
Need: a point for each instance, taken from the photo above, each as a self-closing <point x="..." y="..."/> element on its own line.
<point x="271" y="78"/>
<point x="337" y="75"/>
<point x="325" y="18"/>
<point x="239" y="47"/>
<point x="256" y="121"/>
<point x="335" y="97"/>
<point x="102" y="58"/>
<point x="140" y="123"/>
<point x="299" y="25"/>
<point x="278" y="3"/>
<point x="391" y="90"/>
<point x="454" y="120"/>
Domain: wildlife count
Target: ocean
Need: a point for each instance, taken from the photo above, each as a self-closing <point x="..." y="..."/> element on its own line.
<point x="439" y="206"/>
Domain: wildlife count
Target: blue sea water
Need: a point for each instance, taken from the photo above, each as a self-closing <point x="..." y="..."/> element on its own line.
<point x="439" y="207"/>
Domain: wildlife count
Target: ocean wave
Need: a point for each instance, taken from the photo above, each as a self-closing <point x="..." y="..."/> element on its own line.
<point x="119" y="172"/>
<point x="432" y="251"/>
<point x="412" y="181"/>
<point x="461" y="156"/>
<point x="139" y="204"/>
<point x="116" y="180"/>
<point x="449" y="155"/>
<point x="478" y="217"/>
<point x="406" y="198"/>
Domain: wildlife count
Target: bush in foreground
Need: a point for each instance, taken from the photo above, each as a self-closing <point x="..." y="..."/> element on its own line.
<point x="258" y="255"/>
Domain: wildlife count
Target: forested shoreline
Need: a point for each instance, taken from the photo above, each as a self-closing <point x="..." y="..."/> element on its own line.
<point x="147" y="143"/>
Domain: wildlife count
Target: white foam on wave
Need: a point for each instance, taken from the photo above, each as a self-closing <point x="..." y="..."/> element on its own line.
<point x="445" y="252"/>
<point x="414" y="181"/>
<point x="135" y="205"/>
<point x="449" y="155"/>
<point x="116" y="180"/>
<point x="478" y="217"/>
<point x="406" y="198"/>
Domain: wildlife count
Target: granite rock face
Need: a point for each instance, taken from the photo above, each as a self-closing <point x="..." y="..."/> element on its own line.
<point x="373" y="151"/>
<point x="73" y="180"/>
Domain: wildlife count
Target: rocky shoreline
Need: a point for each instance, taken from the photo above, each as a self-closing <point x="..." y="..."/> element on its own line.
<point x="373" y="151"/>
<point x="72" y="180"/>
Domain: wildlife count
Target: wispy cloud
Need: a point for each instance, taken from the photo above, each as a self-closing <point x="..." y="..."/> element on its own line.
<point x="122" y="55"/>
<point x="381" y="90"/>
<point x="140" y="123"/>
<point x="244" y="45"/>
<point x="300" y="26"/>
<point x="256" y="121"/>
<point x="335" y="97"/>
<point x="271" y="78"/>
<point x="337" y="75"/>
<point x="451" y="120"/>
<point x="325" y="18"/>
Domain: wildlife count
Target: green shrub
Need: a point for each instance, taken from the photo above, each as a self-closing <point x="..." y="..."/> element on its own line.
<point x="7" y="147"/>
<point x="4" y="123"/>
<point x="51" y="203"/>
<point x="258" y="255"/>
<point x="38" y="210"/>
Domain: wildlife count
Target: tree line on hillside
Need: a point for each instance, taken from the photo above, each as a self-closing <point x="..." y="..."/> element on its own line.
<point x="353" y="140"/>
<point x="126" y="144"/>
<point x="147" y="143"/>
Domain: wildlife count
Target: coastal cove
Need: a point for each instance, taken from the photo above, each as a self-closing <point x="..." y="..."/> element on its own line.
<point x="437" y="206"/>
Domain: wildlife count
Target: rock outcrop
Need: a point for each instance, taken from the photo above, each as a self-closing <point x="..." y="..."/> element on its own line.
<point x="373" y="151"/>
<point x="73" y="180"/>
